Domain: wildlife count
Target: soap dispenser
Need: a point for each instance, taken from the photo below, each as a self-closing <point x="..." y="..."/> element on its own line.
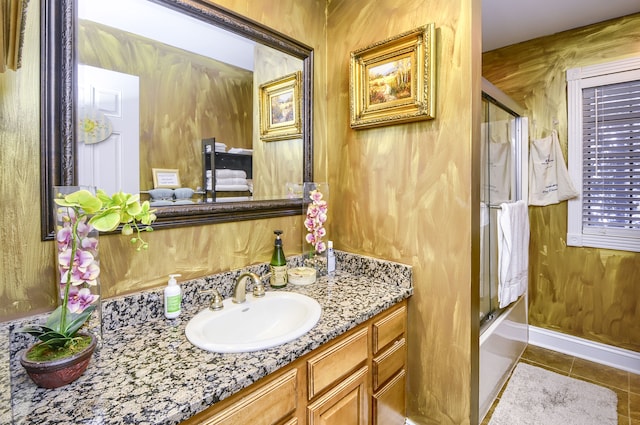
<point x="172" y="298"/>
<point x="331" y="258"/>
<point x="278" y="264"/>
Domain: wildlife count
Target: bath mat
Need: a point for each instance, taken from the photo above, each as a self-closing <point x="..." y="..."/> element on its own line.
<point x="537" y="396"/>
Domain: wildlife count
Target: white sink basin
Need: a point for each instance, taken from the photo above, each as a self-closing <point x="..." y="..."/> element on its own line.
<point x="256" y="324"/>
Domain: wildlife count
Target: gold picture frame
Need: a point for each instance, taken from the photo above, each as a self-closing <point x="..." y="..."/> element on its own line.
<point x="393" y="81"/>
<point x="168" y="178"/>
<point x="280" y="108"/>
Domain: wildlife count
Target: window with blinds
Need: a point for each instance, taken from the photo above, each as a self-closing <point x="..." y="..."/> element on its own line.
<point x="604" y="155"/>
<point x="611" y="157"/>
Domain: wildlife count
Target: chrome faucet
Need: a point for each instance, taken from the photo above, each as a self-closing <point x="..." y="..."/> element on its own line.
<point x="239" y="290"/>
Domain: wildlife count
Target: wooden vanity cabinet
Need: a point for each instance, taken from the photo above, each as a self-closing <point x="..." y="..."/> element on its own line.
<point x="357" y="379"/>
<point x="389" y="361"/>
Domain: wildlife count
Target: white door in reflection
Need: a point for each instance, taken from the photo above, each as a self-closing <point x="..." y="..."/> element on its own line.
<point x="108" y="130"/>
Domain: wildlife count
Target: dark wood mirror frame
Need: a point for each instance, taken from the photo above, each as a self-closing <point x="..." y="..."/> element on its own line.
<point x="57" y="109"/>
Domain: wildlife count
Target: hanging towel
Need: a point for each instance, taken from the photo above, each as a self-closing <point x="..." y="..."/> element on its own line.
<point x="513" y="251"/>
<point x="496" y="153"/>
<point x="549" y="181"/>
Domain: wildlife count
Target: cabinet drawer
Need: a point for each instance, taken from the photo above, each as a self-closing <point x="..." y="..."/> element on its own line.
<point x="336" y="362"/>
<point x="388" y="403"/>
<point x="388" y="363"/>
<point x="269" y="404"/>
<point x="389" y="328"/>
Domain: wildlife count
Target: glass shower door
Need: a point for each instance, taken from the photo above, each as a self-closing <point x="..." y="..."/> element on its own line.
<point x="498" y="181"/>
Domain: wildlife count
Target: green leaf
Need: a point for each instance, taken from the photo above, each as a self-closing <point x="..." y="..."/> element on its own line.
<point x="34" y="330"/>
<point x="53" y="321"/>
<point x="133" y="209"/>
<point x="81" y="199"/>
<point x="52" y="338"/>
<point x="106" y="221"/>
<point x="45" y="334"/>
<point x="76" y="320"/>
<point x="133" y="199"/>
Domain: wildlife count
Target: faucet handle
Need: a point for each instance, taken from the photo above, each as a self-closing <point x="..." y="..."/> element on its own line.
<point x="258" y="289"/>
<point x="216" y="300"/>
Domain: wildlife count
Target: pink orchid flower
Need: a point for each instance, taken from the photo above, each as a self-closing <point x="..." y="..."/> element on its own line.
<point x="80" y="299"/>
<point x="316" y="217"/>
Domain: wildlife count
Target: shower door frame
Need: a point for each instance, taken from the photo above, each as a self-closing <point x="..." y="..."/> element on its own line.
<point x="520" y="165"/>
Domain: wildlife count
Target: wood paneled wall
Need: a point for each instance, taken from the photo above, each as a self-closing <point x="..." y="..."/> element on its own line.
<point x="406" y="193"/>
<point x="585" y="292"/>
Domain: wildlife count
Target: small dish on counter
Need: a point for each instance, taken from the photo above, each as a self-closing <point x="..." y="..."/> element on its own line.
<point x="302" y="275"/>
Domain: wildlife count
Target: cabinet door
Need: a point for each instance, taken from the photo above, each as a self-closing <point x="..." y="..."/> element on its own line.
<point x="388" y="403"/>
<point x="345" y="404"/>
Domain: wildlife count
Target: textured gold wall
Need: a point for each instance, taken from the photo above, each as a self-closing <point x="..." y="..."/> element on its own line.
<point x="406" y="193"/>
<point x="27" y="277"/>
<point x="270" y="65"/>
<point x="26" y="273"/>
<point x="589" y="293"/>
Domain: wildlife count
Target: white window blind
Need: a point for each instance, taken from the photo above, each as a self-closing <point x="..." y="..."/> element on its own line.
<point x="611" y="157"/>
<point x="603" y="102"/>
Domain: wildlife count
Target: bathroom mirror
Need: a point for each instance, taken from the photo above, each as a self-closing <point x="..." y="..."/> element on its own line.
<point x="61" y="108"/>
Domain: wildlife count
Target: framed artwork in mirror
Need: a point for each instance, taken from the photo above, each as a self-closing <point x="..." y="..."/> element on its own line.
<point x="393" y="81"/>
<point x="165" y="178"/>
<point x="280" y="108"/>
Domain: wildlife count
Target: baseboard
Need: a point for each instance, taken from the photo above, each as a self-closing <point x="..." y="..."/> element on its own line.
<point x="589" y="350"/>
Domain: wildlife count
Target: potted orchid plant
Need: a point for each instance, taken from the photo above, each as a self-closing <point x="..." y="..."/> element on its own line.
<point x="80" y="215"/>
<point x="314" y="223"/>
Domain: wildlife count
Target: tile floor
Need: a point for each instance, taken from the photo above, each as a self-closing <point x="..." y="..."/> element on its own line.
<point x="626" y="385"/>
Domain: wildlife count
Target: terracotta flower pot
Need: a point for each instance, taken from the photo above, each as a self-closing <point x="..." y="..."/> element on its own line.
<point x="56" y="373"/>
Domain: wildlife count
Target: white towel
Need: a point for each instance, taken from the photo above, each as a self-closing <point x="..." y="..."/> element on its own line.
<point x="496" y="153"/>
<point x="232" y="187"/>
<point x="513" y="251"/>
<point x="241" y="151"/>
<point x="231" y="180"/>
<point x="229" y="173"/>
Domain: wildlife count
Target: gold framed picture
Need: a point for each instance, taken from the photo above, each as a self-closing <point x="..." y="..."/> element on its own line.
<point x="165" y="178"/>
<point x="280" y="108"/>
<point x="393" y="81"/>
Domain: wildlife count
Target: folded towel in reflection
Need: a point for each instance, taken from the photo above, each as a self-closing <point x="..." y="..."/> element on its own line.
<point x="231" y="180"/>
<point x="229" y="173"/>
<point x="220" y="147"/>
<point x="232" y="187"/>
<point x="513" y="251"/>
<point x="241" y="151"/>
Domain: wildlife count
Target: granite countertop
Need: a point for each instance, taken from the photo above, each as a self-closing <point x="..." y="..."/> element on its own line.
<point x="147" y="372"/>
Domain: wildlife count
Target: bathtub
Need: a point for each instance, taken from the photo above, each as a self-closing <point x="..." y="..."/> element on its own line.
<point x="502" y="342"/>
